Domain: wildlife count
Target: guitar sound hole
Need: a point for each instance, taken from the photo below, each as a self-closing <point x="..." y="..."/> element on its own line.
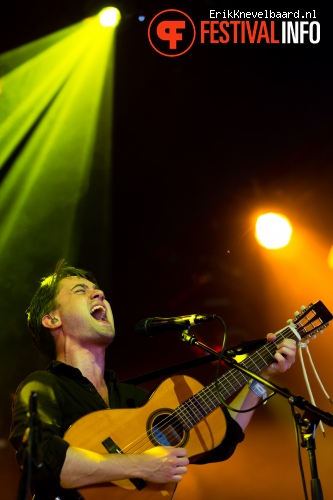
<point x="166" y="430"/>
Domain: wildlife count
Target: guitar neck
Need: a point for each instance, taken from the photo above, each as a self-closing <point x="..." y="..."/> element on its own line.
<point x="312" y="319"/>
<point x="234" y="379"/>
<point x="205" y="401"/>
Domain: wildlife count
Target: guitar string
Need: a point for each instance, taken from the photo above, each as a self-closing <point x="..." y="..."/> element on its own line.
<point x="210" y="391"/>
<point x="189" y="413"/>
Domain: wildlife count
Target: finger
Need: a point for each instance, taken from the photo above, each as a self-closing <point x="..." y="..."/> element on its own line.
<point x="284" y="362"/>
<point x="287" y="351"/>
<point x="289" y="342"/>
<point x="180" y="452"/>
<point x="181" y="469"/>
<point x="183" y="462"/>
<point x="271" y="337"/>
<point x="280" y="359"/>
<point x="176" y="478"/>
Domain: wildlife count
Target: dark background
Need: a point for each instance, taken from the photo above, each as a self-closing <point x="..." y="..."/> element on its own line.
<point x="200" y="143"/>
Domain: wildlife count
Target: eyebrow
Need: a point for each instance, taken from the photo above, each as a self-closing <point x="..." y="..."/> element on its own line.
<point x="94" y="287"/>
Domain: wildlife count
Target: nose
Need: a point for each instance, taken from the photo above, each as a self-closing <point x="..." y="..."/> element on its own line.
<point x="97" y="294"/>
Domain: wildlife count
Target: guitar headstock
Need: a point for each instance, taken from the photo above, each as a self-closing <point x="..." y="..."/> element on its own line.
<point x="312" y="319"/>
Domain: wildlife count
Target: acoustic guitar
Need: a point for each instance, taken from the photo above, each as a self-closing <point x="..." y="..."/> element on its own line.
<point x="180" y="413"/>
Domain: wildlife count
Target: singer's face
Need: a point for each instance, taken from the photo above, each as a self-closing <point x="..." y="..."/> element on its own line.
<point x="84" y="313"/>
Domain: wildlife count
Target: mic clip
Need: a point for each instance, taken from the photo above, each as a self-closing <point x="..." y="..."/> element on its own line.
<point x="244" y="347"/>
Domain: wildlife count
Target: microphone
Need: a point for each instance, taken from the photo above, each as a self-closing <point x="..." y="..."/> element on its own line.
<point x="245" y="347"/>
<point x="154" y="326"/>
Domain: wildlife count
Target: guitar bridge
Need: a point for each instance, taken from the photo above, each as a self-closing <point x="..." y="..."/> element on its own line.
<point x="111" y="447"/>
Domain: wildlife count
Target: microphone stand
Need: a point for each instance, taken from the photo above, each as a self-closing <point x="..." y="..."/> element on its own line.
<point x="31" y="462"/>
<point x="307" y="423"/>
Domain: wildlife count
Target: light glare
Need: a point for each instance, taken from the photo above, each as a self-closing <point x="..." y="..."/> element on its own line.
<point x="330" y="258"/>
<point x="109" y="17"/>
<point x="273" y="231"/>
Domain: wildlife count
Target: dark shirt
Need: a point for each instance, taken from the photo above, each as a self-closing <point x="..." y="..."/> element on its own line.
<point x="64" y="395"/>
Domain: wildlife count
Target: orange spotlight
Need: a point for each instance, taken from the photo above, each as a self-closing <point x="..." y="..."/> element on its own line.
<point x="273" y="230"/>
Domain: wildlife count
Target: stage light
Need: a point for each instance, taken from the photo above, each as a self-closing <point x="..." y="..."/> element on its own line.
<point x="273" y="231"/>
<point x="55" y="129"/>
<point x="109" y="17"/>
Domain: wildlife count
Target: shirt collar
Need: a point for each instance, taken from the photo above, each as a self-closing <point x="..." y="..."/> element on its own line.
<point x="59" y="367"/>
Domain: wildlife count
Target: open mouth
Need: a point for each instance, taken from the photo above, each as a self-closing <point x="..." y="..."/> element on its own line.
<point x="99" y="313"/>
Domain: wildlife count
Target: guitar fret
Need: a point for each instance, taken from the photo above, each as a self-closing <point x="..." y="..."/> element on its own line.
<point x="194" y="408"/>
<point x="233" y="375"/>
<point x="213" y="399"/>
<point x="206" y="405"/>
<point x="221" y="386"/>
<point x="186" y="416"/>
<point x="191" y="418"/>
<point x="236" y="375"/>
<point x="255" y="365"/>
<point x="183" y="417"/>
<point x="227" y="390"/>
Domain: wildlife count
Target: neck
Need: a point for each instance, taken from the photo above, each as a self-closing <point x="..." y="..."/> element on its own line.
<point x="90" y="362"/>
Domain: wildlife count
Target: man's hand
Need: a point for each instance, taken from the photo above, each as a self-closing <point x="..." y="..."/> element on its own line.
<point x="284" y="357"/>
<point x="165" y="464"/>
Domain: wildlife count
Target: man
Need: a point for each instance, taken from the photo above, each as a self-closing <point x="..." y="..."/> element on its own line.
<point x="71" y="322"/>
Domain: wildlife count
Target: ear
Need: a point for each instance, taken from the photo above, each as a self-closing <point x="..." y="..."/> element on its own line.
<point x="51" y="321"/>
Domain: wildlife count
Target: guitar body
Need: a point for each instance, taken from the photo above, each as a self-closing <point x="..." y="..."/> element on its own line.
<point x="133" y="431"/>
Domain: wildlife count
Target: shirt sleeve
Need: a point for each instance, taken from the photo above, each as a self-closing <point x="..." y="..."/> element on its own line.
<point x="51" y="447"/>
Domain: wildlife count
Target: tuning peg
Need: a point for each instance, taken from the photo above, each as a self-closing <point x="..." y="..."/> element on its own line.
<point x="296" y="313"/>
<point x="289" y="321"/>
<point x="303" y="308"/>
